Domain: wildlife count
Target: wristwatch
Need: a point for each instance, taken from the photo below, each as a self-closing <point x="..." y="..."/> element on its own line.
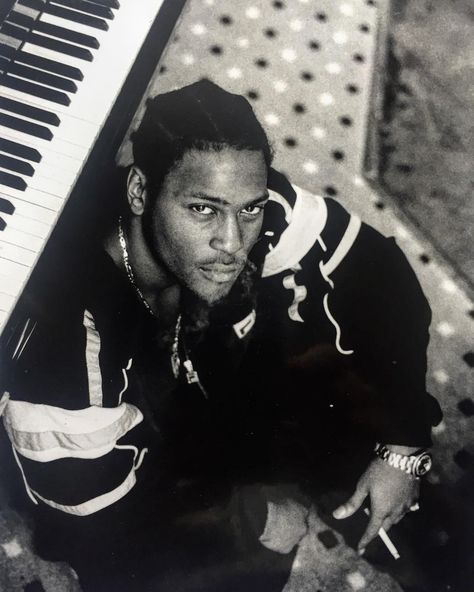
<point x="417" y="464"/>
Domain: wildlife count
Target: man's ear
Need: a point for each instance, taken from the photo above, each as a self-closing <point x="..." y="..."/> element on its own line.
<point x="136" y="190"/>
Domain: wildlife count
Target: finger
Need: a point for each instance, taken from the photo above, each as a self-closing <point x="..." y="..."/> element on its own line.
<point x="370" y="533"/>
<point x="398" y="517"/>
<point x="390" y="521"/>
<point x="352" y="505"/>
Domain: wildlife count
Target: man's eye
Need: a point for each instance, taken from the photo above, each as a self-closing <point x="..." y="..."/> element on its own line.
<point x="202" y="209"/>
<point x="253" y="210"/>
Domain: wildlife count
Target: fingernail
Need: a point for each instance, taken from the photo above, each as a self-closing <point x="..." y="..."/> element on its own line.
<point x="338" y="513"/>
<point x="361" y="551"/>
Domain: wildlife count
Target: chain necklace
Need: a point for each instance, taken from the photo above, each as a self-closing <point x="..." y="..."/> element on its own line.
<point x="175" y="359"/>
<point x="192" y="376"/>
<point x="128" y="267"/>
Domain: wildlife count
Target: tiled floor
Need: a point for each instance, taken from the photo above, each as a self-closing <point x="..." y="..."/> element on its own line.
<point x="307" y="66"/>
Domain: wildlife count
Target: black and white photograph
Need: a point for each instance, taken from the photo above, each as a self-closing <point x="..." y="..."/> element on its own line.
<point x="236" y="295"/>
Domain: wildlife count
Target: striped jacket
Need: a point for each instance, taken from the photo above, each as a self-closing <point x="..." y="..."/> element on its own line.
<point x="334" y="294"/>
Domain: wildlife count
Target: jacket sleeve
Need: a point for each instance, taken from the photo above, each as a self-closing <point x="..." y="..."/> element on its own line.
<point x="385" y="311"/>
<point x="63" y="440"/>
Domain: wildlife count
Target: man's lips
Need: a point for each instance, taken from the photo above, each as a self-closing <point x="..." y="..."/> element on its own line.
<point x="220" y="273"/>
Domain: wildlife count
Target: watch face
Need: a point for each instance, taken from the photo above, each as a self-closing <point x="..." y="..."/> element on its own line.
<point x="422" y="465"/>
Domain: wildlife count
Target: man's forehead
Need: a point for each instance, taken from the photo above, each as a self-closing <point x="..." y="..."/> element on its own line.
<point x="225" y="157"/>
<point x="220" y="173"/>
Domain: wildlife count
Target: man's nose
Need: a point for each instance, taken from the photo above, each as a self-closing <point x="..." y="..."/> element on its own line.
<point x="228" y="237"/>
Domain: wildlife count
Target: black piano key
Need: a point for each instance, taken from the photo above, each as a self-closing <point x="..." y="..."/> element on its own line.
<point x="5" y="7"/>
<point x="13" y="31"/>
<point x="88" y="8"/>
<point x="50" y="65"/>
<point x="61" y="47"/>
<point x="4" y="64"/>
<point x="12" y="181"/>
<point x="29" y="111"/>
<point x="6" y="206"/>
<point x="20" y="150"/>
<point x="76" y="17"/>
<point x="16" y="166"/>
<point x="20" y="19"/>
<point x="42" y="77"/>
<point x="109" y="3"/>
<point x="36" y="90"/>
<point x="34" y="4"/>
<point x="7" y="51"/>
<point x="3" y="224"/>
<point x="67" y="35"/>
<point x="26" y="127"/>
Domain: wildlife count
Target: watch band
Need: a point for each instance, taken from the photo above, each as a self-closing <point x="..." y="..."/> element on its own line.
<point x="417" y="464"/>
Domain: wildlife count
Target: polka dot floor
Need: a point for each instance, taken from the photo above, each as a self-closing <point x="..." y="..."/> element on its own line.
<point x="308" y="67"/>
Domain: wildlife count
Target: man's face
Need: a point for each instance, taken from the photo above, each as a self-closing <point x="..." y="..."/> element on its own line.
<point x="208" y="216"/>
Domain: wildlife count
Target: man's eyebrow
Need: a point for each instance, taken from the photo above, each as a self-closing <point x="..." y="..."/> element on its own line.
<point x="223" y="202"/>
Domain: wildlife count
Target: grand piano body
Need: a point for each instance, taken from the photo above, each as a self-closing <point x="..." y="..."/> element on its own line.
<point x="72" y="74"/>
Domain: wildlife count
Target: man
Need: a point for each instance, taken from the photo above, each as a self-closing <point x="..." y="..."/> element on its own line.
<point x="230" y="331"/>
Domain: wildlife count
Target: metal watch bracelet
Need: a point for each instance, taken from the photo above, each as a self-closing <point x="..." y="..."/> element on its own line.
<point x="417" y="464"/>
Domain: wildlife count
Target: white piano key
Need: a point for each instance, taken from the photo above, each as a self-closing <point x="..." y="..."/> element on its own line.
<point x="73" y="26"/>
<point x="49" y="159"/>
<point x="24" y="77"/>
<point x="22" y="97"/>
<point x="10" y="41"/>
<point x="51" y="168"/>
<point x="3" y="319"/>
<point x="6" y="301"/>
<point x="58" y="145"/>
<point x="51" y="180"/>
<point x="50" y="176"/>
<point x="70" y="129"/>
<point x="18" y="222"/>
<point x="21" y="239"/>
<point x="17" y="271"/>
<point x="28" y="226"/>
<point x="28" y="211"/>
<point x="42" y="183"/>
<point x="62" y="162"/>
<point x="44" y="172"/>
<point x="26" y="10"/>
<point x="83" y="65"/>
<point x="74" y="44"/>
<point x="17" y="254"/>
<point x="9" y="284"/>
<point x="39" y="198"/>
<point x="45" y="52"/>
<point x="49" y="185"/>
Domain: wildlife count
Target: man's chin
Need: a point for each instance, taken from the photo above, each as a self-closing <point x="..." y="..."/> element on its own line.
<point x="209" y="295"/>
<point x="224" y="302"/>
<point x="214" y="297"/>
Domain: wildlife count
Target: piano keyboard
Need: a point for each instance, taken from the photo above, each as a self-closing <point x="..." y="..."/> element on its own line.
<point x="62" y="65"/>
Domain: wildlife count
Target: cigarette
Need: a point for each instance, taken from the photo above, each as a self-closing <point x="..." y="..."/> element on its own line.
<point x="386" y="540"/>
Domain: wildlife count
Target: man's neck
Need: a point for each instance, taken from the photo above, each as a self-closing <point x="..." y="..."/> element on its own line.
<point x="157" y="287"/>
